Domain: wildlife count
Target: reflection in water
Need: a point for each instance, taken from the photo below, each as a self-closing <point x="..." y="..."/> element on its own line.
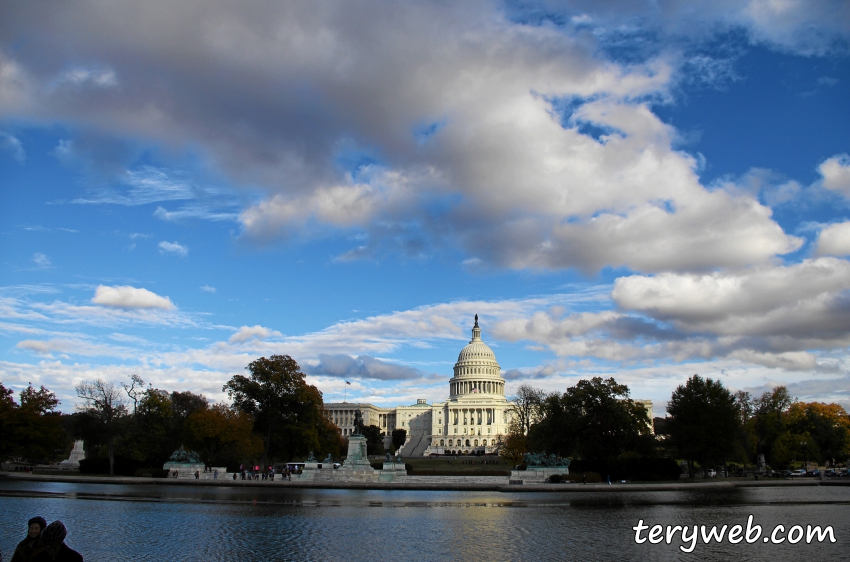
<point x="185" y="523"/>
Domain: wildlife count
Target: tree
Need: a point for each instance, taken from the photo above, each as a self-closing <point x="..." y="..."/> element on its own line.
<point x="595" y="419"/>
<point x="286" y="410"/>
<point x="104" y="402"/>
<point x="155" y="438"/>
<point x="827" y="427"/>
<point x="704" y="421"/>
<point x="183" y="404"/>
<point x="8" y="408"/>
<point x="41" y="433"/>
<point x="215" y="430"/>
<point x="769" y="411"/>
<point x="514" y="447"/>
<point x="374" y="440"/>
<point x="527" y="406"/>
<point x="399" y="436"/>
<point x="134" y="390"/>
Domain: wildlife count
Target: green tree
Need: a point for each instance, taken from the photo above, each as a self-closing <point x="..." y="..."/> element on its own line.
<point x="287" y="411"/>
<point x="704" y="422"/>
<point x="8" y="408"/>
<point x="827" y="426"/>
<point x="595" y="420"/>
<point x="374" y="440"/>
<point x="41" y="433"/>
<point x="105" y="406"/>
<point x="769" y="413"/>
<point x="219" y="430"/>
<point x="183" y="404"/>
<point x="155" y="438"/>
<point x="399" y="436"/>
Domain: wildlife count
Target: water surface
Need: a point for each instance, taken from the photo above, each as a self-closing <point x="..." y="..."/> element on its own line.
<point x="136" y="523"/>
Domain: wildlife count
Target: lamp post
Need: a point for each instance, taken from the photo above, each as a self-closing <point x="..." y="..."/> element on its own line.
<point x="804" y="446"/>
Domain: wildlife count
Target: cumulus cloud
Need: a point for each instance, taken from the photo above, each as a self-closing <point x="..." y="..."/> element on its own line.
<point x="836" y="174"/>
<point x="464" y="126"/>
<point x="125" y="296"/>
<point x="246" y="333"/>
<point x="173" y="248"/>
<point x="834" y="240"/>
<point x="207" y="289"/>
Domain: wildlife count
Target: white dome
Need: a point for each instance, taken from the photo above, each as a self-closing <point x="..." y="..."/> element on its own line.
<point x="476" y="372"/>
<point x="477" y="352"/>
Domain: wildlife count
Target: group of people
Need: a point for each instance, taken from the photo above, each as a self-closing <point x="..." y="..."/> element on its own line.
<point x="45" y="543"/>
<point x="257" y="474"/>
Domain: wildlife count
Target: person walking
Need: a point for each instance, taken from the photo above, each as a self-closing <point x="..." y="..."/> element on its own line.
<point x="31" y="546"/>
<point x="55" y="549"/>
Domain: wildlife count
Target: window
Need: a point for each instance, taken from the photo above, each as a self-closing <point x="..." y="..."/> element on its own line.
<point x="441" y="442"/>
<point x="476" y="442"/>
<point x="467" y="442"/>
<point x="455" y="431"/>
<point x="451" y="442"/>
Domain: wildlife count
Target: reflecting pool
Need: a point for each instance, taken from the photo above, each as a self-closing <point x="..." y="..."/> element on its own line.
<point x="118" y="522"/>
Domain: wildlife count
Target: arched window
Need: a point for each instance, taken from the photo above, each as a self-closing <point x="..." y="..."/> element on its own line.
<point x="476" y="442"/>
<point x="441" y="442"/>
<point x="467" y="442"/>
<point x="451" y="442"/>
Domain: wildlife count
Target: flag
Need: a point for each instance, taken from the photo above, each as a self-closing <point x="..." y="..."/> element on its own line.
<point x="348" y="383"/>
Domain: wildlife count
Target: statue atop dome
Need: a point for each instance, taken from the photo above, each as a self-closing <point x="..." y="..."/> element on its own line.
<point x="476" y="321"/>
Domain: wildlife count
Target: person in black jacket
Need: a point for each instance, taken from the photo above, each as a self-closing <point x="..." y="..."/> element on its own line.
<point x="55" y="549"/>
<point x="29" y="547"/>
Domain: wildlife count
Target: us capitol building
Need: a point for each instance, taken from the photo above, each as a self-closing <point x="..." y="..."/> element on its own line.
<point x="471" y="421"/>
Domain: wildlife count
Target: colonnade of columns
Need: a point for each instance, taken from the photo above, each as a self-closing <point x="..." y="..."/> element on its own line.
<point x="484" y="387"/>
<point x="472" y="416"/>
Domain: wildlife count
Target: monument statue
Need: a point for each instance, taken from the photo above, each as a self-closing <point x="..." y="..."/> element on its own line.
<point x="328" y="460"/>
<point x="358" y="423"/>
<point x="181" y="455"/>
<point x="311" y="458"/>
<point x="537" y="460"/>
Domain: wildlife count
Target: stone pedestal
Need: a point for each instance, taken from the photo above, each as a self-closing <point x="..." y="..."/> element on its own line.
<point x="393" y="472"/>
<point x="536" y="475"/>
<point x="184" y="470"/>
<point x="356" y="459"/>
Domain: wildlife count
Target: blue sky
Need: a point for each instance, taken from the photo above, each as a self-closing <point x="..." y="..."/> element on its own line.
<point x="628" y="189"/>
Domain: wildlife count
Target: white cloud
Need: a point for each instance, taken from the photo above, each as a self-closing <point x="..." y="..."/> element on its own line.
<point x="13" y="146"/>
<point x="787" y="308"/>
<point x="41" y="261"/>
<point x="506" y="167"/>
<point x="130" y="297"/>
<point x="836" y="174"/>
<point x="246" y="333"/>
<point x="207" y="289"/>
<point x="834" y="240"/>
<point x="173" y="248"/>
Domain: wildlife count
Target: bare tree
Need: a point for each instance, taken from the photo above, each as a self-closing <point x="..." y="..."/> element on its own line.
<point x="105" y="402"/>
<point x="526" y="406"/>
<point x="134" y="390"/>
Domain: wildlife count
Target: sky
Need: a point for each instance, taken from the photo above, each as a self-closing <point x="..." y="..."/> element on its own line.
<point x="638" y="190"/>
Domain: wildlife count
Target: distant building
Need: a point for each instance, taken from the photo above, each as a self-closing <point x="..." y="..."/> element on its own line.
<point x="473" y="420"/>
